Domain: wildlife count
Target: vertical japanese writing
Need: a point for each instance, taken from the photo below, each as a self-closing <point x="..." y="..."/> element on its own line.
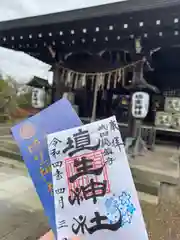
<point x="117" y="141"/>
<point x="113" y="125"/>
<point x="54" y="148"/>
<point x="90" y="188"/>
<point x="62" y="224"/>
<point x="59" y="175"/>
<point x="106" y="143"/>
<point x="81" y="158"/>
<point x="110" y="144"/>
<point x="44" y="164"/>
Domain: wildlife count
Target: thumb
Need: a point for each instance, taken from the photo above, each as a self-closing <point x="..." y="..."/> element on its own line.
<point x="48" y="236"/>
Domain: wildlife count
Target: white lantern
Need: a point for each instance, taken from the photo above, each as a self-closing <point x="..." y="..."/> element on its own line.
<point x="38" y="98"/>
<point x="140" y="104"/>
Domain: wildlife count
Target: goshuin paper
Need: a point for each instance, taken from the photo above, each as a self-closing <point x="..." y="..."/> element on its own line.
<point x="94" y="193"/>
<point x="30" y="136"/>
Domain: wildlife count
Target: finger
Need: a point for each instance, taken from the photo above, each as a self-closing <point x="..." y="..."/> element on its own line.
<point x="48" y="236"/>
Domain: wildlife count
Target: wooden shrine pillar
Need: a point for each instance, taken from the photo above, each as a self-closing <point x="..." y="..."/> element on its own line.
<point x="93" y="117"/>
<point x="136" y="81"/>
<point x="58" y="86"/>
<point x="132" y="122"/>
<point x="58" y="83"/>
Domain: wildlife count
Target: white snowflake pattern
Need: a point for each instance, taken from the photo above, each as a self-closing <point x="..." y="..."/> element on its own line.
<point x="127" y="218"/>
<point x="124" y="198"/>
<point x="124" y="205"/>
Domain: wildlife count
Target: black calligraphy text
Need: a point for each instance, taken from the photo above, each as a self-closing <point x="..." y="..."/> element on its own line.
<point x="93" y="190"/>
<point x="62" y="224"/>
<point x="81" y="141"/>
<point x="81" y="226"/>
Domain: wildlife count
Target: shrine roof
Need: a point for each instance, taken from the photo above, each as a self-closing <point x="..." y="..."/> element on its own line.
<point x="91" y="12"/>
<point x="114" y="25"/>
<point x="38" y="82"/>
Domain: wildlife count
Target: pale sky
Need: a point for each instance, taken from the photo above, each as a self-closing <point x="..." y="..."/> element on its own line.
<point x="18" y="65"/>
<point x="10" y="9"/>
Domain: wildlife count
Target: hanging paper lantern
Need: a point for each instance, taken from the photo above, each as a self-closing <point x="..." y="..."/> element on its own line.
<point x="140" y="104"/>
<point x="38" y="98"/>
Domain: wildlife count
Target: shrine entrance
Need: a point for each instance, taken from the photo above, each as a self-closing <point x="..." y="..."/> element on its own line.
<point x="101" y="55"/>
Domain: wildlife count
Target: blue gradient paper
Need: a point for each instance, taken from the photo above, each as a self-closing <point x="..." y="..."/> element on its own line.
<point x="30" y="136"/>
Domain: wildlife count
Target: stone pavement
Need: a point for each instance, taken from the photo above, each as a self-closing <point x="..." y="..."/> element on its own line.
<point x="21" y="214"/>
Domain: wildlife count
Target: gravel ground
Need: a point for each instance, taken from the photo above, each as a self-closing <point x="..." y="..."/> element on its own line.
<point x="163" y="221"/>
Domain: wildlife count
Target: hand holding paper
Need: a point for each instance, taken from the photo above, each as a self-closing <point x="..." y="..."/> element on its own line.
<point x="94" y="192"/>
<point x="50" y="236"/>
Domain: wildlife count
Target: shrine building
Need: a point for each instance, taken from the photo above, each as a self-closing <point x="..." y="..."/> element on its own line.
<point x="94" y="53"/>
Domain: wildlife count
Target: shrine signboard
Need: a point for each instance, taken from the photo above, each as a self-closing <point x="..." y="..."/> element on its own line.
<point x="94" y="193"/>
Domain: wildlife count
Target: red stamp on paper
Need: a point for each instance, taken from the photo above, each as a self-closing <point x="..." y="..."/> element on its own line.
<point x="82" y="170"/>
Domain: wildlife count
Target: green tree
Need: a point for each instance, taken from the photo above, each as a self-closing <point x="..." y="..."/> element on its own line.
<point x="7" y="99"/>
<point x="24" y="100"/>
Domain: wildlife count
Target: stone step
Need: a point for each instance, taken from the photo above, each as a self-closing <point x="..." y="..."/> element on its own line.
<point x="146" y="180"/>
<point x="147" y="187"/>
<point x="7" y="142"/>
<point x="158" y="159"/>
<point x="9" y="145"/>
<point x="24" y="193"/>
<point x="11" y="163"/>
<point x="4" y="152"/>
<point x="144" y="174"/>
<point x="148" y="198"/>
<point x="6" y="136"/>
<point x="5" y="130"/>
